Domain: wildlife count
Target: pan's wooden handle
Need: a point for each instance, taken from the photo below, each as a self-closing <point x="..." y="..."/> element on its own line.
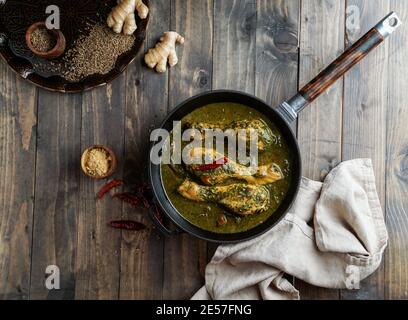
<point x="350" y="58"/>
<point x="290" y="109"/>
<point x="341" y="65"/>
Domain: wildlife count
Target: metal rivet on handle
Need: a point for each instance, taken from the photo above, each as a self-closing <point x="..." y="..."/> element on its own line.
<point x="389" y="24"/>
<point x="393" y="22"/>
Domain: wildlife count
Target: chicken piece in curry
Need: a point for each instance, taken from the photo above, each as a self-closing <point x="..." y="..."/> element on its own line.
<point x="261" y="175"/>
<point x="243" y="196"/>
<point x="265" y="134"/>
<point x="242" y="199"/>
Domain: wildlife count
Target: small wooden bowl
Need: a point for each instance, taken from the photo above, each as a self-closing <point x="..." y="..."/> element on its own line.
<point x="112" y="168"/>
<point x="55" y="52"/>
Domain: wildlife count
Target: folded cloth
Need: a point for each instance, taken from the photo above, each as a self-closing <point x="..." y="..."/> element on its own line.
<point x="333" y="237"/>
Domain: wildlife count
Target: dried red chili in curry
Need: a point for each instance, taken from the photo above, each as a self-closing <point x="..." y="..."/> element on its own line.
<point x="211" y="166"/>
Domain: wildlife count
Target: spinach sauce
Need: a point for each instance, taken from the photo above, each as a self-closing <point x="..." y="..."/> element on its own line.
<point x="205" y="215"/>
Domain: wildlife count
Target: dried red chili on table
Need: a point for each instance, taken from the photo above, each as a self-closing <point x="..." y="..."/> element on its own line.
<point x="142" y="194"/>
<point x="109" y="186"/>
<point x="158" y="214"/>
<point x="216" y="164"/>
<point x="127" y="225"/>
<point x="127" y="197"/>
<point x="146" y="203"/>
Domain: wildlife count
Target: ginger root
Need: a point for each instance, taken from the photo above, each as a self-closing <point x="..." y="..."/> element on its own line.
<point x="164" y="51"/>
<point x="122" y="17"/>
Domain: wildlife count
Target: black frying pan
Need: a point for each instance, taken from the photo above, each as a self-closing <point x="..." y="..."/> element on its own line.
<point x="282" y="117"/>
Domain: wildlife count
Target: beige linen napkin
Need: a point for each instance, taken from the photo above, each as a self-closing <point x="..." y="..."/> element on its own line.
<point x="333" y="237"/>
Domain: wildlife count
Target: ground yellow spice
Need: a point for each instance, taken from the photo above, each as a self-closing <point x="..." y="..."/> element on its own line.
<point x="42" y="41"/>
<point x="97" y="162"/>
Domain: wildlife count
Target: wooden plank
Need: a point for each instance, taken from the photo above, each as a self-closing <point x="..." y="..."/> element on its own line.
<point x="364" y="118"/>
<point x="277" y="43"/>
<point x="277" y="50"/>
<point x="396" y="258"/>
<point x="319" y="125"/>
<point x="146" y="106"/>
<point x="193" y="74"/>
<point x="234" y="50"/>
<point x="234" y="45"/>
<point x="98" y="254"/>
<point x="17" y="162"/>
<point x="56" y="190"/>
<point x="185" y="256"/>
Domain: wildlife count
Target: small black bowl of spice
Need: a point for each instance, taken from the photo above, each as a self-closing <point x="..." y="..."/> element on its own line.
<point x="45" y="43"/>
<point x="98" y="162"/>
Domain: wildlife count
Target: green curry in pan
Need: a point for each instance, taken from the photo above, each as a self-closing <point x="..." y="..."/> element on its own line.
<point x="225" y="197"/>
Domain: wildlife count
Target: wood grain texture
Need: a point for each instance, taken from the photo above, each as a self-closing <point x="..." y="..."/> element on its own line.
<point x="98" y="253"/>
<point x="193" y="74"/>
<point x="277" y="42"/>
<point x="17" y="163"/>
<point x="234" y="50"/>
<point x="146" y="106"/>
<point x="185" y="256"/>
<point x="57" y="191"/>
<point x="319" y="125"/>
<point x="277" y="56"/>
<point x="396" y="258"/>
<point x="364" y="118"/>
<point x="234" y="45"/>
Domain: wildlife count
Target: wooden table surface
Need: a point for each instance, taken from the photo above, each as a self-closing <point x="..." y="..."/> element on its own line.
<point x="48" y="211"/>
